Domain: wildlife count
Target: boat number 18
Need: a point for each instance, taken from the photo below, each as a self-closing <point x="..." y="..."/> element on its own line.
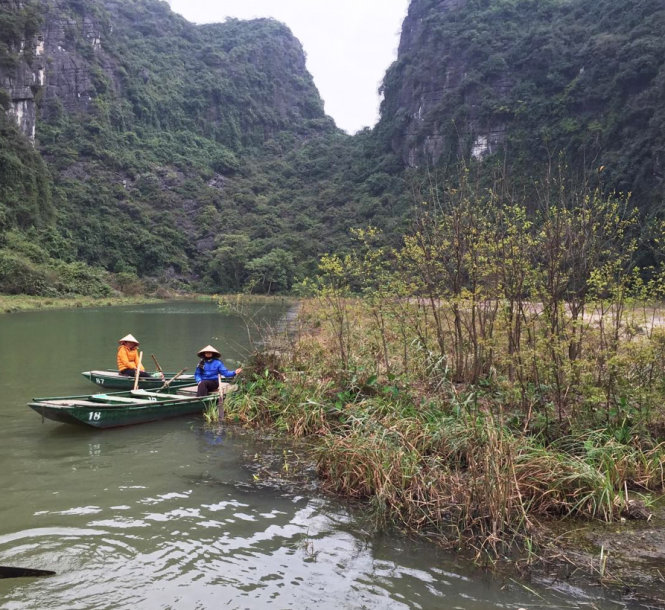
<point x="94" y="416"/>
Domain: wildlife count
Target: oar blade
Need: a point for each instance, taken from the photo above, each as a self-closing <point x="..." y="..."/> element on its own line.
<point x="14" y="572"/>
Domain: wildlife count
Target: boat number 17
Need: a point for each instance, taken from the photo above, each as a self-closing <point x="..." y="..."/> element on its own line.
<point x="94" y="416"/>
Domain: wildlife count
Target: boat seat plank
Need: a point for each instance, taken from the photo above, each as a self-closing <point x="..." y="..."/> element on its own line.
<point x="106" y="398"/>
<point x="157" y="395"/>
<point x="71" y="403"/>
<point x="190" y="390"/>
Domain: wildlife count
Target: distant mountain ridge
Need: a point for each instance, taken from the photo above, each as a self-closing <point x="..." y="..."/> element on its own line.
<point x="139" y="144"/>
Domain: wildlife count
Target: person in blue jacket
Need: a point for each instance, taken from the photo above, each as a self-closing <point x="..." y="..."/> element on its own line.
<point x="209" y="369"/>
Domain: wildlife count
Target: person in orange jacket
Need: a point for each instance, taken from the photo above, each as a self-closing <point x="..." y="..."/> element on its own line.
<point x="128" y="357"/>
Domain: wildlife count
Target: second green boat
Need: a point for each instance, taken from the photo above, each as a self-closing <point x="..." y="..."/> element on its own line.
<point x="114" y="380"/>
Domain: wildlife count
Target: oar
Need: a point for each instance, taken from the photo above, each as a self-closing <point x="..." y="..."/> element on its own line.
<point x="12" y="572"/>
<point x="159" y="368"/>
<point x="220" y="399"/>
<point x="168" y="383"/>
<point x="138" y="371"/>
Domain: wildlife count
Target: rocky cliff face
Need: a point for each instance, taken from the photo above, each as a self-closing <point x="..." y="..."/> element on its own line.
<point x="532" y="80"/>
<point x="72" y="44"/>
<point x="21" y="86"/>
<point x="50" y="64"/>
<point x="22" y="75"/>
<point x="432" y="93"/>
<point x="80" y="54"/>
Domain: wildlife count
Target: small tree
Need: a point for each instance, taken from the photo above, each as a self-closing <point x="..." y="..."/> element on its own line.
<point x="272" y="272"/>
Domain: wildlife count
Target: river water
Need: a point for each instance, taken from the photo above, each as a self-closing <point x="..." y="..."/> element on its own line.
<point x="171" y="515"/>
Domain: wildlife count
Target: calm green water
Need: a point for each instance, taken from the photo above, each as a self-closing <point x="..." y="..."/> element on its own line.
<point x="169" y="515"/>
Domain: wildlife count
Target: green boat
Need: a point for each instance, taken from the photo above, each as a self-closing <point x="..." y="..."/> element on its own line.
<point x="116" y="409"/>
<point x="113" y="380"/>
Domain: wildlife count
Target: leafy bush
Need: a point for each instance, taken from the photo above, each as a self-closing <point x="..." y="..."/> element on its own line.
<point x="20" y="276"/>
<point x="78" y="278"/>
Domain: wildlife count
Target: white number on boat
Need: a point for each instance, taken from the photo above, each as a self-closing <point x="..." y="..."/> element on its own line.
<point x="99" y="381"/>
<point x="94" y="415"/>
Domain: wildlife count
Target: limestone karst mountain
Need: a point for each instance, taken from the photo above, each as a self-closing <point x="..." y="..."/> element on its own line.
<point x="139" y="144"/>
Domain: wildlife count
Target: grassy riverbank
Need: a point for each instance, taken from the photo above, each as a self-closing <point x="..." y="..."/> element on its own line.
<point x="14" y="303"/>
<point x="479" y="463"/>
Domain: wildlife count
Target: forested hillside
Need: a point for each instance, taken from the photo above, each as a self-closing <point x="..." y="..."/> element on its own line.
<point x="136" y="147"/>
<point x="197" y="155"/>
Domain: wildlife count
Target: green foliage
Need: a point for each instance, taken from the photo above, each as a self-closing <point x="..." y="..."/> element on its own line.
<point x="27" y="268"/>
<point x="128" y="283"/>
<point x="20" y="276"/>
<point x="272" y="272"/>
<point x="25" y="197"/>
<point x="21" y="273"/>
<point x="17" y="24"/>
<point x="78" y="278"/>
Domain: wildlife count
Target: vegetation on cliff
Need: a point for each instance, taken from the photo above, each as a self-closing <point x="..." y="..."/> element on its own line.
<point x="521" y="81"/>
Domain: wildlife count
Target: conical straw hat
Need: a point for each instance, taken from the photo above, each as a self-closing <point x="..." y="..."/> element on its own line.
<point x="129" y="339"/>
<point x="207" y="348"/>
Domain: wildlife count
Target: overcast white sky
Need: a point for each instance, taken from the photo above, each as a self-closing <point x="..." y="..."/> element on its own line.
<point x="349" y="45"/>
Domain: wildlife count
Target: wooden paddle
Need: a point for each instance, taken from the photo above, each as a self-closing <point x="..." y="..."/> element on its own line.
<point x="168" y="383"/>
<point x="138" y="371"/>
<point x="220" y="399"/>
<point x="12" y="572"/>
<point x="159" y="368"/>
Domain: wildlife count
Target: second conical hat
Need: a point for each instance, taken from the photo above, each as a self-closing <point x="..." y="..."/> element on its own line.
<point x="207" y="348"/>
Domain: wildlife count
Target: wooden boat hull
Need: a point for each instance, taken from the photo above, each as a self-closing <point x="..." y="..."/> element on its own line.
<point x="115" y="381"/>
<point x="117" y="409"/>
